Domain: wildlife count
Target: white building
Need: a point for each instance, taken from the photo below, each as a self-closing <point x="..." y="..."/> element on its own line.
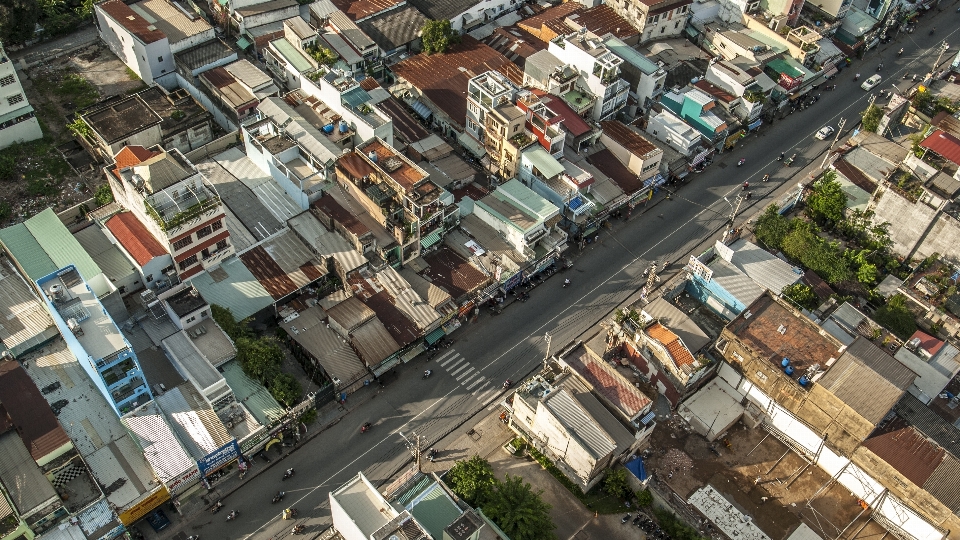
<point x="599" y="72"/>
<point x="145" y="35"/>
<point x="17" y="121"/>
<point x="360" y="512"/>
<point x="465" y="15"/>
<point x="671" y="129"/>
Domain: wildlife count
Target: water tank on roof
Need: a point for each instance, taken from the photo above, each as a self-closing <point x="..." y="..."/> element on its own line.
<point x="373" y="156"/>
<point x="803" y="380"/>
<point x="344" y="127"/>
<point x="328" y="129"/>
<point x="788" y="370"/>
<point x="785" y="363"/>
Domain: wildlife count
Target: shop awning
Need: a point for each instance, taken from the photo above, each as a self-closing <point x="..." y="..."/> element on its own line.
<point x="243" y="42"/>
<point x="434" y="336"/>
<point x="422" y="110"/>
<point x="829" y="70"/>
<point x="755" y="125"/>
<point x="471" y="144"/>
<point x="430" y="239"/>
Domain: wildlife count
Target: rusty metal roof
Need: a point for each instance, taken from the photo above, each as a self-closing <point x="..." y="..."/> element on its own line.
<point x="632" y="141"/>
<point x="906" y="450"/>
<point x="602" y="20"/>
<point x="29" y="412"/>
<point x="442" y="78"/>
<point x="284" y="265"/>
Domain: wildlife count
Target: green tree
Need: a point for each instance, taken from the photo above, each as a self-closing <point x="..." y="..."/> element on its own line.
<point x="259" y="358"/>
<point x="224" y="317"/>
<point x="103" y="195"/>
<point x="896" y="317"/>
<point x="827" y="201"/>
<point x="323" y="55"/>
<point x="472" y="480"/>
<point x="801" y="295"/>
<point x="871" y="118"/>
<point x="772" y="228"/>
<point x="519" y="510"/>
<point x="644" y="498"/>
<point x="438" y="36"/>
<point x="286" y="389"/>
<point x="18" y="18"/>
<point x="616" y="483"/>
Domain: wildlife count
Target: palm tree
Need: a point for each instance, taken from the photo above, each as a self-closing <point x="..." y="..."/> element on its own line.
<point x="519" y="511"/>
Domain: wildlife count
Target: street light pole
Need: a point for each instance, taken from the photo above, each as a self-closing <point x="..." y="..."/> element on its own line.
<point x="546" y="358"/>
<point x="826" y="156"/>
<point x="414" y="447"/>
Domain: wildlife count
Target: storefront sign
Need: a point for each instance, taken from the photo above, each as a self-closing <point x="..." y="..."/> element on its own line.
<point x="219" y="458"/>
<point x="142" y="508"/>
<point x="184" y="481"/>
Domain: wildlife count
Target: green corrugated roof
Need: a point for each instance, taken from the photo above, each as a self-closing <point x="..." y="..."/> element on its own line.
<point x="535" y="203"/>
<point x="434" y="510"/>
<point x="630" y="55"/>
<point x="24" y="248"/>
<point x="62" y="248"/>
<point x="252" y="394"/>
<point x="781" y="66"/>
<point x="292" y="55"/>
<point x="233" y="286"/>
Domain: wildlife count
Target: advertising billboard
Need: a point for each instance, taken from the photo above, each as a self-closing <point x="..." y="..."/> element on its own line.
<point x="219" y="458"/>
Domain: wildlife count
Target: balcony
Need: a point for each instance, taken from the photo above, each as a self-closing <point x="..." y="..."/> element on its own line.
<point x="173" y="213"/>
<point x="118" y="372"/>
<point x="580" y="102"/>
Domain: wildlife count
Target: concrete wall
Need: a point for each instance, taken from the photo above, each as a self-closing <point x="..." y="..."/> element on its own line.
<point x="214" y="147"/>
<point x="668" y="25"/>
<point x="28" y="130"/>
<point x="224" y="121"/>
<point x="142" y="58"/>
<point x="146" y="138"/>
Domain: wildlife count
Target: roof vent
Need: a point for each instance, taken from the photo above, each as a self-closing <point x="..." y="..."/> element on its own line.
<point x="151" y="28"/>
<point x="782" y="330"/>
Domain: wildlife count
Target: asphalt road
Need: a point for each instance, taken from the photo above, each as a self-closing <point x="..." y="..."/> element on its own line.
<point x="512" y="344"/>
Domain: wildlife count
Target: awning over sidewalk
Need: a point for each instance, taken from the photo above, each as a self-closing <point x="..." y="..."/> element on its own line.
<point x="422" y="110"/>
<point x="434" y="336"/>
<point x="430" y="239"/>
<point x="243" y="42"/>
<point x="471" y="144"/>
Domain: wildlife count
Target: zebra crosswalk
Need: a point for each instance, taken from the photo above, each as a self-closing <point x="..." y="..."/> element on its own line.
<point x="468" y="376"/>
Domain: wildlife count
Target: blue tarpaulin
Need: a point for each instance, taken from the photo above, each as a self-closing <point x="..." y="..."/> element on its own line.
<point x="635" y="466"/>
<point x="575" y="203"/>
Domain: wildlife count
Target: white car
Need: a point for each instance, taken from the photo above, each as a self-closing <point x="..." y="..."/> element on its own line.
<point x="871" y="82"/>
<point x="824" y="132"/>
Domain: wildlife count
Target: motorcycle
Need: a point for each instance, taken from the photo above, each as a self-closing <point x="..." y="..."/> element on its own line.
<point x="298" y="529"/>
<point x="856" y="77"/>
<point x="288" y="473"/>
<point x="427" y="374"/>
<point x="900" y="53"/>
<point x="932" y="30"/>
<point x="290" y="513"/>
<point x="741" y="162"/>
<point x="781" y="157"/>
<point x="746" y="186"/>
<point x="232" y="515"/>
<point x="217" y="507"/>
<point x="432" y="454"/>
<point x="566" y="282"/>
<point x="625" y="519"/>
<point x="278" y="497"/>
<point x="507" y="384"/>
<point x="365" y="427"/>
<point x="879" y="67"/>
<point x="766" y="177"/>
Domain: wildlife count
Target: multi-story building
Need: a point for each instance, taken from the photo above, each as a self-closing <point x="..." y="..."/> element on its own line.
<point x="17" y="121"/>
<point x="92" y="336"/>
<point x="543" y="122"/>
<point x="599" y="74"/>
<point x="656" y="19"/>
<point x="505" y="137"/>
<point x="174" y="202"/>
<point x="694" y="107"/>
<point x="486" y="92"/>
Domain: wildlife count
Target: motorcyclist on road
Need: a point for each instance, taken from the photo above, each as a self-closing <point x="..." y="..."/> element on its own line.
<point x="901" y="51"/>
<point x="856" y="77"/>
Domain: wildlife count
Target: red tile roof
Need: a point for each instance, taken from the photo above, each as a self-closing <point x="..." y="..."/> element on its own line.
<point x="927" y="342"/>
<point x="28" y="411"/>
<point x="681" y="355"/>
<point x="607" y="382"/>
<point x="128" y="156"/>
<point x="944" y="144"/>
<point x="132" y="21"/>
<point x="572" y="122"/>
<point x="906" y="450"/>
<point x="135" y="238"/>
<point x="442" y="78"/>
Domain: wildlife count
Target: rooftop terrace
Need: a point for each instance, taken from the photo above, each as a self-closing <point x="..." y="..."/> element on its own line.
<point x="394" y="165"/>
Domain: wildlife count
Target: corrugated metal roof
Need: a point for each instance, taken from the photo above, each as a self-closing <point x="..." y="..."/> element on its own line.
<point x="434" y="510"/>
<point x="630" y="140"/>
<point x="394" y="28"/>
<point x="292" y="55"/>
<point x="24" y="248"/>
<point x="160" y="446"/>
<point x="678" y="322"/>
<point x="27" y="487"/>
<point x="351" y="313"/>
<point x="543" y="161"/>
<point x="868" y="380"/>
<point x="96" y="516"/>
<point x="27" y="322"/>
<point x="92" y="425"/>
<point x="906" y="450"/>
<point x="943" y="482"/>
<point x="200" y="429"/>
<point x="300" y="130"/>
<point x="434" y="295"/>
<point x="607" y="382"/>
<point x="406" y="299"/>
<point x="246" y="208"/>
<point x="326" y="243"/>
<point x="252" y="394"/>
<point x="735" y="282"/>
<point x="232" y="286"/>
<point x="929" y="423"/>
<point x="250" y="75"/>
<point x="342" y="48"/>
<point x="374" y="342"/>
<point x="763" y="267"/>
<point x="345" y="26"/>
<point x="111" y="260"/>
<point x="35" y="422"/>
<point x="62" y="248"/>
<point x="580" y="425"/>
<point x="284" y="265"/>
<point x="336" y="356"/>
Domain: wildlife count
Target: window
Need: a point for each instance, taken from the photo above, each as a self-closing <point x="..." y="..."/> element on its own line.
<point x="159" y="59"/>
<point x="205" y="253"/>
<point x="676" y="25"/>
<point x="15" y="99"/>
<point x="188" y="262"/>
<point x="8" y="80"/>
<point x="222" y="245"/>
<point x="206" y="231"/>
<point x="516" y="128"/>
<point x="182" y="243"/>
<point x="203" y="313"/>
<point x="190" y="320"/>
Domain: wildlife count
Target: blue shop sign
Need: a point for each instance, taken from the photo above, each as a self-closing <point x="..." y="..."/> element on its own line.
<point x="219" y="457"/>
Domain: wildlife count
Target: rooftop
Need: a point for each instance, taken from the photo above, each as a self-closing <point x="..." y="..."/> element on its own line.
<point x="394" y="164"/>
<point x="452" y="272"/>
<point x="630" y="55"/>
<point x="153" y="434"/>
<point x="677" y="350"/>
<point x="388" y="308"/>
<point x="297" y="128"/>
<point x="344" y="24"/>
<point x="293" y="55"/>
<point x="284" y="265"/>
<point x="516" y="44"/>
<point x="572" y="122"/>
<point x="394" y="28"/>
<point x="176" y="21"/>
<point x="678" y="323"/>
<point x="24" y="320"/>
<point x="266" y="7"/>
<point x="252" y="77"/>
<point x="134" y="237"/>
<point x="134" y="22"/>
<point x="121" y="119"/>
<point x="257" y="399"/>
<point x="607" y="382"/>
<point x="404" y="125"/>
<point x="362" y="9"/>
<point x="363" y="505"/>
<point x="337" y="358"/>
<point x="204" y="54"/>
<point x="232" y="286"/>
<point x="943" y="144"/>
<point x="442" y="78"/>
<point x="325" y="242"/>
<point x="905" y="449"/>
<point x="374" y="342"/>
<point x="190" y="362"/>
<point x="556" y="13"/>
<point x="434" y="509"/>
<point x="27" y="486"/>
<point x="634" y="143"/>
<point x="602" y="20"/>
<point x="200" y="430"/>
<point x="518" y="194"/>
<point x="773" y="331"/>
<point x="608" y="164"/>
<point x="23" y="407"/>
<point x="763" y="267"/>
<point x="185" y="301"/>
<point x="107" y="448"/>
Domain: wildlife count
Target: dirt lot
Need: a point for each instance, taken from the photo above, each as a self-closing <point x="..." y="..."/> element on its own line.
<point x="762" y="477"/>
<point x="35" y="175"/>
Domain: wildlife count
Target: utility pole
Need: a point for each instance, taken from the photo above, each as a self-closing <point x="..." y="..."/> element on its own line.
<point x="836" y="139"/>
<point x="414" y="447"/>
<point x="735" y="209"/>
<point x="943" y="49"/>
<point x="546" y="358"/>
